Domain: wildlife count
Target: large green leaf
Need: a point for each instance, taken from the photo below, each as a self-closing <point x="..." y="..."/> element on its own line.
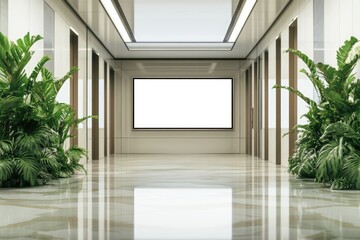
<point x="37" y="70"/>
<point x="328" y="72"/>
<point x="60" y="82"/>
<point x="330" y="160"/>
<point x="297" y="92"/>
<point x="27" y="168"/>
<point x="344" y="50"/>
<point x="352" y="168"/>
<point x="6" y="147"/>
<point x="6" y="169"/>
<point x="346" y="70"/>
<point x="309" y="63"/>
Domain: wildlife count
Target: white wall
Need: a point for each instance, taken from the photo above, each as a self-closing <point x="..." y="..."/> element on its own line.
<point x="303" y="11"/>
<point x="25" y="16"/>
<point x="4" y="16"/>
<point x="341" y="20"/>
<point x="272" y="102"/>
<point x="19" y="17"/>
<point x="306" y="45"/>
<point x="130" y="141"/>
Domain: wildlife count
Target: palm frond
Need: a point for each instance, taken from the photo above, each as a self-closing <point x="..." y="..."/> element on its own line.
<point x="6" y="169"/>
<point x="343" y="52"/>
<point x="6" y="146"/>
<point x="328" y="72"/>
<point x="307" y="166"/>
<point x="330" y="160"/>
<point x="27" y="42"/>
<point x="309" y="63"/>
<point x="27" y="168"/>
<point x="346" y="70"/>
<point x="37" y="70"/>
<point x="352" y="168"/>
<point x="74" y="154"/>
<point x="297" y="92"/>
<point x="49" y="160"/>
<point x="316" y="81"/>
<point x="340" y="129"/>
<point x="34" y="139"/>
<point x="60" y="82"/>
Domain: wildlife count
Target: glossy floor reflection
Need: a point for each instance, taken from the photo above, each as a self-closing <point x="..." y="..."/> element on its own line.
<point x="217" y="196"/>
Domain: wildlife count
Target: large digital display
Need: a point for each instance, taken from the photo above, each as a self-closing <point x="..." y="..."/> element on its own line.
<point x="183" y="103"/>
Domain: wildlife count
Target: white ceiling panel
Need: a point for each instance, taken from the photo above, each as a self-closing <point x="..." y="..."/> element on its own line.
<point x="262" y="17"/>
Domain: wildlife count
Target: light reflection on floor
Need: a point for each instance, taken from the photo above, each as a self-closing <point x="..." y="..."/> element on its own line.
<point x="266" y="203"/>
<point x="188" y="213"/>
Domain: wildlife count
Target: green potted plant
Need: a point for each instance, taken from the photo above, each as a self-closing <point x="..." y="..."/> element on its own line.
<point x="328" y="147"/>
<point x="33" y="125"/>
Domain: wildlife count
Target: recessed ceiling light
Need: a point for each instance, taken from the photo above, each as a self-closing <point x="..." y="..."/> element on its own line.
<point x="74" y="31"/>
<point x="182" y="46"/>
<point x="245" y="13"/>
<point x="110" y="9"/>
<point x="292" y="21"/>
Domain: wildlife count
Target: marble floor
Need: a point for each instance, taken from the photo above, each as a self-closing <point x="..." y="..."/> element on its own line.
<point x="217" y="196"/>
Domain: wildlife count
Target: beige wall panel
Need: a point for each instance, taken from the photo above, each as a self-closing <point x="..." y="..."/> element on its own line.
<point x="272" y="145"/>
<point x="242" y="143"/>
<point x="285" y="147"/>
<point x="137" y="141"/>
<point x="295" y="9"/>
<point x="242" y="106"/>
<point x="181" y="145"/>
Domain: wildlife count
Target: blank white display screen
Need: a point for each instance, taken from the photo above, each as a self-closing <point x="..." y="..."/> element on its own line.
<point x="183" y="213"/>
<point x="183" y="103"/>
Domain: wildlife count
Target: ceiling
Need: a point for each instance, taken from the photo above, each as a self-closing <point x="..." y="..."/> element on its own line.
<point x="93" y="14"/>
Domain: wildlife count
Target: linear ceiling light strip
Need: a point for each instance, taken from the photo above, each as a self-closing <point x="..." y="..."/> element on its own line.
<point x="244" y="14"/>
<point x="180" y="46"/>
<point x="111" y="10"/>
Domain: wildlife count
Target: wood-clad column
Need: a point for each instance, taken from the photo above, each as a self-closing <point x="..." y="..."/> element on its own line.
<point x="292" y="83"/>
<point x="278" y="101"/>
<point x="247" y="113"/>
<point x="105" y="109"/>
<point x="255" y="110"/>
<point x="112" y="111"/>
<point x="74" y="56"/>
<point x="95" y="106"/>
<point x="266" y="105"/>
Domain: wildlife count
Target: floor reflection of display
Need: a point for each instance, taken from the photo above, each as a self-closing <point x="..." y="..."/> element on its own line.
<point x="182" y="213"/>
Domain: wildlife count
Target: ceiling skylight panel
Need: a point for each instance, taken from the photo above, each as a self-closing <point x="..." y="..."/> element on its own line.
<point x="181" y="20"/>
